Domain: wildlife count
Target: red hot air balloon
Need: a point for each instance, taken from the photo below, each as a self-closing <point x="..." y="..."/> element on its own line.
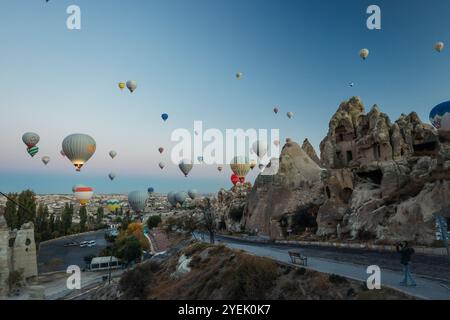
<point x="234" y="179"/>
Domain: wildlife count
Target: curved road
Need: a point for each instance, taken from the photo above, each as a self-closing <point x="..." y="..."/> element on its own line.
<point x="432" y="273"/>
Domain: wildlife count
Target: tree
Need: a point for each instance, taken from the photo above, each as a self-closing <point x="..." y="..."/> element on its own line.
<point x="51" y="223"/>
<point x="209" y="220"/>
<point x="11" y="212"/>
<point x="42" y="231"/>
<point x="26" y="212"/>
<point x="153" y="221"/>
<point x="66" y="219"/>
<point x="129" y="249"/>
<point x="99" y="215"/>
<point x="83" y="218"/>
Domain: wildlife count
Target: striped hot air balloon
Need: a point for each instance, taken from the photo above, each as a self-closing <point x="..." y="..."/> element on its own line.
<point x="137" y="200"/>
<point x="31" y="139"/>
<point x="84" y="195"/>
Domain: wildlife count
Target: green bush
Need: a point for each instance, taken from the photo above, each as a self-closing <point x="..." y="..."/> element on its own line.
<point x="153" y="221"/>
<point x="336" y="279"/>
<point x="134" y="283"/>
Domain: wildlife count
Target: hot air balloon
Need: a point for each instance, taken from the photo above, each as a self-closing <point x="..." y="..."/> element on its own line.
<point x="79" y="148"/>
<point x="240" y="166"/>
<point x="185" y="166"/>
<point x="260" y="148"/>
<point x="165" y="116"/>
<point x="200" y="158"/>
<point x="137" y="200"/>
<point x="113" y="205"/>
<point x="364" y="53"/>
<point x="192" y="194"/>
<point x="219" y="168"/>
<point x="150" y="190"/>
<point x="45" y="160"/>
<point x="161" y="150"/>
<point x="171" y="198"/>
<point x="439" y="46"/>
<point x="75" y="187"/>
<point x="112" y="154"/>
<point x="112" y="176"/>
<point x="62" y="153"/>
<point x="239" y="75"/>
<point x="234" y="179"/>
<point x="31" y="139"/>
<point x="276" y="110"/>
<point x="440" y="116"/>
<point x="84" y="195"/>
<point x="181" y="197"/>
<point x="122" y="85"/>
<point x="131" y="85"/>
<point x="161" y="165"/>
<point x="351" y="84"/>
<point x="290" y="115"/>
<point x="276" y="142"/>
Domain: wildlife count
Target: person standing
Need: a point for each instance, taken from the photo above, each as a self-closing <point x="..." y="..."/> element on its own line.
<point x="406" y="252"/>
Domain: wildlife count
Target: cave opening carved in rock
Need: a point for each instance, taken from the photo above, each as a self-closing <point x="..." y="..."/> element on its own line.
<point x="374" y="176"/>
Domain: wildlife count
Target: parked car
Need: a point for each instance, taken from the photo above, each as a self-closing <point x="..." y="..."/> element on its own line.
<point x="71" y="244"/>
<point x="91" y="243"/>
<point x="84" y="244"/>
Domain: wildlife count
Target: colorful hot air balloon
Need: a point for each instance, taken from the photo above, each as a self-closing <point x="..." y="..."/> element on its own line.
<point x="276" y="110"/>
<point x="161" y="165"/>
<point x="84" y="195"/>
<point x="185" y="166"/>
<point x="240" y="166"/>
<point x="79" y="148"/>
<point x="45" y="160"/>
<point x="192" y="194"/>
<point x="112" y="176"/>
<point x="150" y="190"/>
<point x="122" y="85"/>
<point x="439" y="46"/>
<point x="239" y="75"/>
<point x="234" y="179"/>
<point x="31" y="139"/>
<point x="440" y="116"/>
<point x="181" y="197"/>
<point x="165" y="116"/>
<point x="364" y="53"/>
<point x="112" y="154"/>
<point x="131" y="85"/>
<point x="260" y="148"/>
<point x="290" y="115"/>
<point x="113" y="205"/>
<point x="161" y="150"/>
<point x="137" y="200"/>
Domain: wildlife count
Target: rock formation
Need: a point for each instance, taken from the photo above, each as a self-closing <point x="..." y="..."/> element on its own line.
<point x="380" y="181"/>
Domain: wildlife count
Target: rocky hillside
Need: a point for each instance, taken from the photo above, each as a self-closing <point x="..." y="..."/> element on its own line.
<point x="376" y="180"/>
<point x="199" y="271"/>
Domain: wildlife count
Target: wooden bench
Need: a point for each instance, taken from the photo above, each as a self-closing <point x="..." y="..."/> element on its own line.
<point x="298" y="258"/>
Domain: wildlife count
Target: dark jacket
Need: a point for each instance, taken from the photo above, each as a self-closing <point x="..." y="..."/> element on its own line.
<point x="406" y="254"/>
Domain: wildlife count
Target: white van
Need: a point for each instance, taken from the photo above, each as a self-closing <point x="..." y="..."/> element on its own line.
<point x="83" y="244"/>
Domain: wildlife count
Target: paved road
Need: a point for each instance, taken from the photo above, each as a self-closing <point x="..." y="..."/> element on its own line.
<point x="353" y="263"/>
<point x="69" y="255"/>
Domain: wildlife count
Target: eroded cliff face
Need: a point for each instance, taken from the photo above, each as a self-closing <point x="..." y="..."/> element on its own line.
<point x="380" y="181"/>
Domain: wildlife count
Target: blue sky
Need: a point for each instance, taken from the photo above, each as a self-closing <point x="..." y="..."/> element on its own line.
<point x="298" y="55"/>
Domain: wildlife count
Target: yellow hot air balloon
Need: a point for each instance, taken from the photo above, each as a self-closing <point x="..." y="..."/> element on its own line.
<point x="240" y="166"/>
<point x="122" y="85"/>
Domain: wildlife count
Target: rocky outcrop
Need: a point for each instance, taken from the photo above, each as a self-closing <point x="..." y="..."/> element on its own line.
<point x="309" y="149"/>
<point x="275" y="198"/>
